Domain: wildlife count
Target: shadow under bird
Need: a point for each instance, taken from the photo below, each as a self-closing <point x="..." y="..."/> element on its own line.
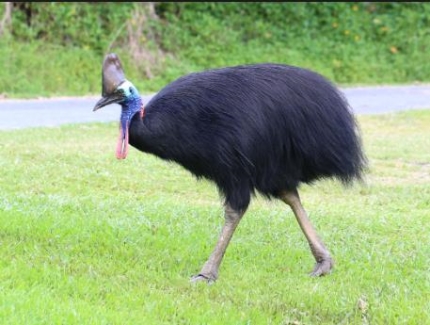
<point x="263" y="128"/>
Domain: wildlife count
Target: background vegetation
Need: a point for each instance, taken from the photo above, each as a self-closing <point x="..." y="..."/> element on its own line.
<point x="57" y="48"/>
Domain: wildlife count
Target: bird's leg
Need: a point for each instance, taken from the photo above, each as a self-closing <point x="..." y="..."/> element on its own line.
<point x="321" y="254"/>
<point x="209" y="272"/>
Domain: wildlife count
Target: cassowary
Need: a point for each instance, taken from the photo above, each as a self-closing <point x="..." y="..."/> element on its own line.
<point x="263" y="128"/>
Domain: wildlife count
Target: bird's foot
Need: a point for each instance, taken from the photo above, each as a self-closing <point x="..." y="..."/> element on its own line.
<point x="209" y="278"/>
<point x="323" y="267"/>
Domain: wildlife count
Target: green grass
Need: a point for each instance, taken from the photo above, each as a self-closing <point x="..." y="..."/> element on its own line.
<point x="87" y="239"/>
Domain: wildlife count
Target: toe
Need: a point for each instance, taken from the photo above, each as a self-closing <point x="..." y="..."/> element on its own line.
<point x="323" y="267"/>
<point x="202" y="277"/>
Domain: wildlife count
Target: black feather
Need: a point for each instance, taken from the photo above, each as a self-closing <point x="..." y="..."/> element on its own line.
<point x="264" y="127"/>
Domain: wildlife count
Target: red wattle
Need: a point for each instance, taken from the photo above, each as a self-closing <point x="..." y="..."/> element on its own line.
<point x="122" y="144"/>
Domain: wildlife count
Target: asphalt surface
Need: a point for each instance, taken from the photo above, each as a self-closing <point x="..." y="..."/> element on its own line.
<point x="17" y="113"/>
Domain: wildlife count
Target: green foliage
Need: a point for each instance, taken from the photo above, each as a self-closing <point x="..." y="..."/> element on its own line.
<point x="47" y="70"/>
<point x="350" y="43"/>
<point x="88" y="239"/>
<point x="85" y="25"/>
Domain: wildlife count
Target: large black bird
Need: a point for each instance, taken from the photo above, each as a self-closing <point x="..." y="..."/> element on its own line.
<point x="260" y="127"/>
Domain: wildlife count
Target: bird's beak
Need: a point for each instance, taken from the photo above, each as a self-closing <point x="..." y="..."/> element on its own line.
<point x="106" y="100"/>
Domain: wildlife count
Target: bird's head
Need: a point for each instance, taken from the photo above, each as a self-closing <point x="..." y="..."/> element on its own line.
<point x="117" y="89"/>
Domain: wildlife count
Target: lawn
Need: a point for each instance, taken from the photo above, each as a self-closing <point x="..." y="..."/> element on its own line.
<point x="88" y="239"/>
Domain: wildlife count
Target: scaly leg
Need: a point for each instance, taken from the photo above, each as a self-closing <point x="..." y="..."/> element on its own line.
<point x="321" y="254"/>
<point x="209" y="271"/>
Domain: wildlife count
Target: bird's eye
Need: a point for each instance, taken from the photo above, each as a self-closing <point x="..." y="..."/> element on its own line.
<point x="131" y="90"/>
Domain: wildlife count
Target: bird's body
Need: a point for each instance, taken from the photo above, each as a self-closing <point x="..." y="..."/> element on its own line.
<point x="265" y="127"/>
<point x="261" y="127"/>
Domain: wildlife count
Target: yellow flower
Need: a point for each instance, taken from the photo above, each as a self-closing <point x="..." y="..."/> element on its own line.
<point x="335" y="25"/>
<point x="393" y="49"/>
<point x="346" y="32"/>
<point x="357" y="38"/>
<point x="384" y="29"/>
<point x="355" y="7"/>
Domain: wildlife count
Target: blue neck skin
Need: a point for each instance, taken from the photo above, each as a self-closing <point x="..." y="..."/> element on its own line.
<point x="130" y="106"/>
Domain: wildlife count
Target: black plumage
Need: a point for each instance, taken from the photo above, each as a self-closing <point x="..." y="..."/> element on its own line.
<point x="263" y="128"/>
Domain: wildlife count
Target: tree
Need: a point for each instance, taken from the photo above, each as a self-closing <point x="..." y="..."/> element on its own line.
<point x="7" y="17"/>
<point x="143" y="39"/>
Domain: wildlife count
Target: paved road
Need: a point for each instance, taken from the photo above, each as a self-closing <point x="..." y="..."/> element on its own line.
<point x="16" y="114"/>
